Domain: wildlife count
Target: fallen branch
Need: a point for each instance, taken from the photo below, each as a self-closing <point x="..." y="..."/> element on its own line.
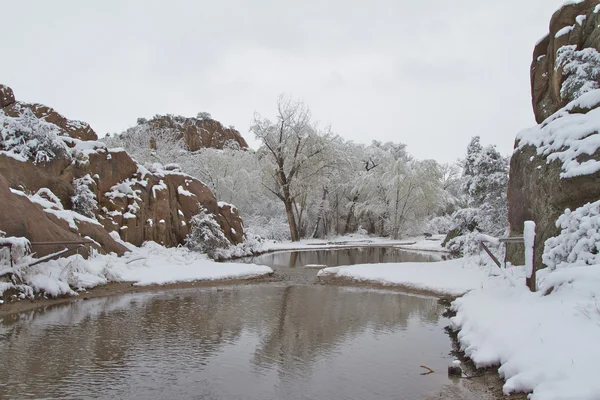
<point x="427" y="368"/>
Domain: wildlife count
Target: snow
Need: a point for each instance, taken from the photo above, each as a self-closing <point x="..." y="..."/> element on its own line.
<point x="161" y="186"/>
<point x="564" y="31"/>
<point x="487" y="238"/>
<point x="355" y="240"/>
<point x="17" y="157"/>
<point x="71" y="217"/>
<point x="454" y="277"/>
<point x="222" y="204"/>
<point x="597" y="9"/>
<point x="146" y="265"/>
<point x="578" y="243"/>
<point x="581" y="19"/>
<point x="569" y="2"/>
<point x="547" y="344"/>
<point x="184" y="192"/>
<point x="529" y="240"/>
<point x="183" y="266"/>
<point x="565" y="136"/>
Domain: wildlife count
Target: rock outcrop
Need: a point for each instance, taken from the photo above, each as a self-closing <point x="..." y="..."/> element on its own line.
<point x="558" y="57"/>
<point x="196" y="133"/>
<point x="43" y="152"/>
<point x="556" y="165"/>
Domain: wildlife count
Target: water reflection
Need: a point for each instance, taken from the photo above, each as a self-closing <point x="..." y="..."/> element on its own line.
<point x="338" y="257"/>
<point x="290" y="265"/>
<point x="252" y="342"/>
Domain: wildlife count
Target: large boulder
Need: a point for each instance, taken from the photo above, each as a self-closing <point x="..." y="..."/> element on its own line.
<point x="196" y="133"/>
<point x="559" y="56"/>
<point x="21" y="217"/>
<point x="137" y="203"/>
<point x="72" y="128"/>
<point x="7" y="96"/>
<point x="556" y="164"/>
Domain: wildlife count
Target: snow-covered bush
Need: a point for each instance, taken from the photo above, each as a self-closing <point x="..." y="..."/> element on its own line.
<point x="84" y="200"/>
<point x="579" y="241"/>
<point x="485" y="181"/>
<point x="203" y="115"/>
<point x="464" y="230"/>
<point x="441" y="224"/>
<point x="251" y="245"/>
<point x="275" y="228"/>
<point x="581" y="69"/>
<point x="30" y="138"/>
<point x="206" y="235"/>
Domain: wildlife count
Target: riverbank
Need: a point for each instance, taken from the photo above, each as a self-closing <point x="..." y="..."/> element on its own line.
<point x="9" y="309"/>
<point x="149" y="265"/>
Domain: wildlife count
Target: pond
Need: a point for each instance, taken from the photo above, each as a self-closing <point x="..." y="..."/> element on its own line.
<point x="265" y="341"/>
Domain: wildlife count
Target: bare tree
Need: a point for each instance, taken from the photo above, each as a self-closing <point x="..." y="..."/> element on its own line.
<point x="293" y="151"/>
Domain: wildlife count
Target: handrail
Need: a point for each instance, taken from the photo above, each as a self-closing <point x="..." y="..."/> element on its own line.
<point x="530" y="281"/>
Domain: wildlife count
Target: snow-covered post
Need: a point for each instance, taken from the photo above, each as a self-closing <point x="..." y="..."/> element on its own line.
<point x="529" y="240"/>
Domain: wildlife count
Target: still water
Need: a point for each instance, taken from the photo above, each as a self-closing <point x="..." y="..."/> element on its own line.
<point x="265" y="341"/>
<point x="291" y="265"/>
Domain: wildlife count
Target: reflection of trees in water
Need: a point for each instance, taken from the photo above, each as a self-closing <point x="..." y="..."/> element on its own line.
<point x="109" y="339"/>
<point x="337" y="257"/>
<point x="112" y="339"/>
<point x="313" y="320"/>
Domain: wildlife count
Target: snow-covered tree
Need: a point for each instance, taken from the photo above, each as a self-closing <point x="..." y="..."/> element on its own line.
<point x="84" y="200"/>
<point x="293" y="151"/>
<point x="31" y="138"/>
<point x="206" y="235"/>
<point x="484" y="183"/>
<point x="581" y="69"/>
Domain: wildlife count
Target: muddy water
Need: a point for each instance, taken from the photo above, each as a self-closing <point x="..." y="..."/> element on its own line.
<point x="270" y="341"/>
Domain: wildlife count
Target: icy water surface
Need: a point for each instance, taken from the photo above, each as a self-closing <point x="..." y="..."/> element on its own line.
<point x="266" y="341"/>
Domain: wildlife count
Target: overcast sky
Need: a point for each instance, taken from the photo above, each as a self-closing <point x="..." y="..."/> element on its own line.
<point x="429" y="74"/>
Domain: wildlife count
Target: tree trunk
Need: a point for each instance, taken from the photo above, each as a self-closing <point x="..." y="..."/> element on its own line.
<point x="320" y="216"/>
<point x="289" y="210"/>
<point x="350" y="215"/>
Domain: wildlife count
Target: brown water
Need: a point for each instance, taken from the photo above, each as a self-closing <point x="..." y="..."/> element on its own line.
<point x="291" y="265"/>
<point x="266" y="341"/>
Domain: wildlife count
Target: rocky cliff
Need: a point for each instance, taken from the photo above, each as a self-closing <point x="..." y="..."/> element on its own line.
<point x="196" y="133"/>
<point x="57" y="182"/>
<point x="556" y="164"/>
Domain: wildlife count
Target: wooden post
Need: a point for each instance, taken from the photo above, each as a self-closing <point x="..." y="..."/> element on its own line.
<point x="531" y="282"/>
<point x="529" y="237"/>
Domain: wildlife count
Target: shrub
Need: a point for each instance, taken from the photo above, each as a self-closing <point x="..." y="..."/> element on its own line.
<point x="84" y="200"/>
<point x="206" y="235"/>
<point x="578" y="243"/>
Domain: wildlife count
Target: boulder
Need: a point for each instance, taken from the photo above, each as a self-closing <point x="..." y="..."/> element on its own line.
<point x="7" y="96"/>
<point x="20" y="217"/>
<point x="572" y="25"/>
<point x="197" y="133"/>
<point x="556" y="165"/>
<point x="137" y="204"/>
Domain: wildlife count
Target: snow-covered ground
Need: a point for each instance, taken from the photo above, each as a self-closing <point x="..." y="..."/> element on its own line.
<point x="147" y="265"/>
<point x="548" y="344"/>
<point x="454" y="277"/>
<point x="356" y="240"/>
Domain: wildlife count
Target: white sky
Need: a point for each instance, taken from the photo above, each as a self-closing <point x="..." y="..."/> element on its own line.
<point x="429" y="74"/>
